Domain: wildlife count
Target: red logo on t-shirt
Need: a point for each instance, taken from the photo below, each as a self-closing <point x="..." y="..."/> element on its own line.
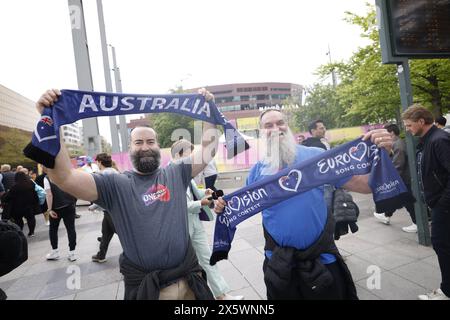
<point x="155" y="193"/>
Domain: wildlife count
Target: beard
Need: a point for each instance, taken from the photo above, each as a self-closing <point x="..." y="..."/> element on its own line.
<point x="279" y="151"/>
<point x="145" y="161"/>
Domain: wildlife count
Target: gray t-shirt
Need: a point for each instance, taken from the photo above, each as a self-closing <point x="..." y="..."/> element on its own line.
<point x="149" y="213"/>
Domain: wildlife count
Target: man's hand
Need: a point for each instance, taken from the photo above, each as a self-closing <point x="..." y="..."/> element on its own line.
<point x="381" y="138"/>
<point x="47" y="99"/>
<point x="219" y="205"/>
<point x="53" y="214"/>
<point x="209" y="192"/>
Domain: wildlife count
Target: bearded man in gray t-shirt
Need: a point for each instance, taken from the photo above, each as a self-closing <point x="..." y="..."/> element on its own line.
<point x="149" y="210"/>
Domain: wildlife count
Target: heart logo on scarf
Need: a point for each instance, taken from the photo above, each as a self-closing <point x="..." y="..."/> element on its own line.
<point x="45" y="130"/>
<point x="234" y="203"/>
<point x="291" y="181"/>
<point x="358" y="152"/>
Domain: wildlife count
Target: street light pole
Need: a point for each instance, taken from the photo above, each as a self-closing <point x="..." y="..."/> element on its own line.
<point x="333" y="74"/>
<point x="107" y="71"/>
<point x="122" y="120"/>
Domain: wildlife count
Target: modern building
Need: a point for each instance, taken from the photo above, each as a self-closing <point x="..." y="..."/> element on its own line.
<point x="72" y="137"/>
<point x="142" y="121"/>
<point x="16" y="111"/>
<point x="241" y="103"/>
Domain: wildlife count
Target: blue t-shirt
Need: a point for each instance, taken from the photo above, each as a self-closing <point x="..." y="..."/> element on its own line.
<point x="299" y="221"/>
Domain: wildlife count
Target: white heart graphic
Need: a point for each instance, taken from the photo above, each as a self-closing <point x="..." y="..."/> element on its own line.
<point x="44" y="139"/>
<point x="357" y="148"/>
<point x="230" y="204"/>
<point x="299" y="179"/>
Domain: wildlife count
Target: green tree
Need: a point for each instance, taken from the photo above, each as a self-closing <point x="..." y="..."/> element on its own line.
<point x="166" y="123"/>
<point x="368" y="90"/>
<point x="12" y="142"/>
<point x="431" y="84"/>
<point x="321" y="103"/>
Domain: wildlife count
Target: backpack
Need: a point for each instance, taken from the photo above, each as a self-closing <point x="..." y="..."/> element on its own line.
<point x="40" y="192"/>
<point x="345" y="213"/>
<point x="13" y="247"/>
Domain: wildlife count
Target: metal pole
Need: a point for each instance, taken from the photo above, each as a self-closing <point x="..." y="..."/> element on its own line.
<point x="419" y="207"/>
<point x="92" y="142"/>
<point x="107" y="71"/>
<point x="122" y="120"/>
<point x="333" y="74"/>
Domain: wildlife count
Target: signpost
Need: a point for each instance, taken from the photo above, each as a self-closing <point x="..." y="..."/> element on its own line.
<point x="413" y="29"/>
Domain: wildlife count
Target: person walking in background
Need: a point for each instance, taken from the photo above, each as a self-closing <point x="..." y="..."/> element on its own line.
<point x="61" y="205"/>
<point x="104" y="163"/>
<point x="441" y="122"/>
<point x="317" y="130"/>
<point x="8" y="180"/>
<point x="300" y="139"/>
<point x="400" y="161"/>
<point x="433" y="169"/>
<point x="198" y="202"/>
<point x="23" y="202"/>
<point x="210" y="175"/>
<point x="44" y="208"/>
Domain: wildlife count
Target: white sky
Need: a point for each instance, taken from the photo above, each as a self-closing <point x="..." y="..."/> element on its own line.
<point x="164" y="43"/>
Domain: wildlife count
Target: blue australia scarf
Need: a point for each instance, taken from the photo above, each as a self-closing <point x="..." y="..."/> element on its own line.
<point x="74" y="105"/>
<point x="353" y="158"/>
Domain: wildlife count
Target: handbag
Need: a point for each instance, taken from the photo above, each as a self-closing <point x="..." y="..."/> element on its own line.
<point x="40" y="192"/>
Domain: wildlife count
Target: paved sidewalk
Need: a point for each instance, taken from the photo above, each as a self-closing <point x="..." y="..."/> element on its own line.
<point x="407" y="269"/>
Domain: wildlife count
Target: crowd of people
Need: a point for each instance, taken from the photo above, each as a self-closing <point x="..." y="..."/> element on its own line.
<point x="157" y="211"/>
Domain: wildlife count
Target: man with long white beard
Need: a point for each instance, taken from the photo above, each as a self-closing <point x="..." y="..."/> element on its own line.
<point x="299" y="231"/>
<point x="149" y="210"/>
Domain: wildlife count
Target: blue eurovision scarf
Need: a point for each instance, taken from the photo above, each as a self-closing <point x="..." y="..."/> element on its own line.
<point x="353" y="158"/>
<point x="74" y="105"/>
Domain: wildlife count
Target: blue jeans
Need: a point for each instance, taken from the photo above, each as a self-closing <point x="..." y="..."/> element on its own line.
<point x="440" y="239"/>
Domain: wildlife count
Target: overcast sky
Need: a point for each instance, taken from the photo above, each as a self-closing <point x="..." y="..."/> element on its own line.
<point x="165" y="43"/>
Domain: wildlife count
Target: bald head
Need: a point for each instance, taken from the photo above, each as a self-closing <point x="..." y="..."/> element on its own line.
<point x="141" y="131"/>
<point x="144" y="150"/>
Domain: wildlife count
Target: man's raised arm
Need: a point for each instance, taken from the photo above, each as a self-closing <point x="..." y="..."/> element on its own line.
<point x="210" y="142"/>
<point x="78" y="183"/>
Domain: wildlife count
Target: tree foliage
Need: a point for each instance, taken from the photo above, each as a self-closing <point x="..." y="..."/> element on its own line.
<point x="368" y="91"/>
<point x="12" y="142"/>
<point x="321" y="103"/>
<point x="166" y="123"/>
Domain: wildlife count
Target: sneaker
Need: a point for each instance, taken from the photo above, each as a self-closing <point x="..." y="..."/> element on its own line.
<point x="47" y="223"/>
<point x="227" y="296"/>
<point x="382" y="218"/>
<point x="72" y="257"/>
<point x="54" y="255"/>
<point x="434" y="295"/>
<point x="410" y="229"/>
<point x="31" y="235"/>
<point x="98" y="258"/>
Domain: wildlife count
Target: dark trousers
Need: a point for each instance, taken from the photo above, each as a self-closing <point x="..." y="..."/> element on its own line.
<point x="68" y="216"/>
<point x="210" y="181"/>
<point x="409" y="207"/>
<point x="31" y="220"/>
<point x="108" y="231"/>
<point x="440" y="239"/>
<point x="336" y="291"/>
